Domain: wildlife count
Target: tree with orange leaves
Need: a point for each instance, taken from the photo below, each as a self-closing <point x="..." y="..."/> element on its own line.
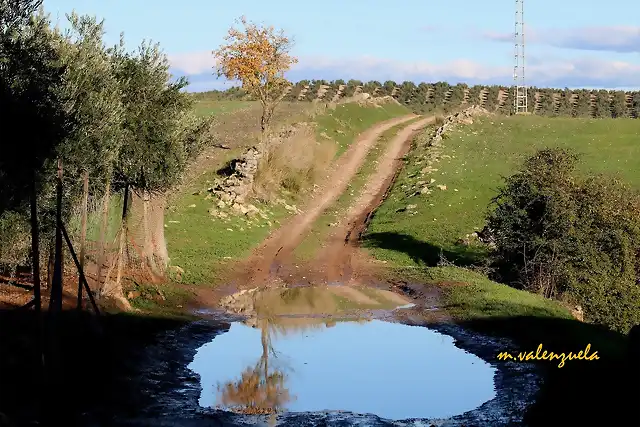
<point x="258" y="57"/>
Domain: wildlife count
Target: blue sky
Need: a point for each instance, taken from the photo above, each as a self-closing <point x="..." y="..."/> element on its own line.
<point x="574" y="43"/>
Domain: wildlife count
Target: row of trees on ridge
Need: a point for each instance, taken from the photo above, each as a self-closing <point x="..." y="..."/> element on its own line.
<point x="425" y="97"/>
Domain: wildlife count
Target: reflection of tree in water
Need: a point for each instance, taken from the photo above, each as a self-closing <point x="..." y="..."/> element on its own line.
<point x="259" y="390"/>
<point x="262" y="389"/>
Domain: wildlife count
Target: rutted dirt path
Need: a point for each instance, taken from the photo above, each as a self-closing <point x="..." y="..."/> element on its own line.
<point x="272" y="260"/>
<point x="338" y="256"/>
<point x="266" y="260"/>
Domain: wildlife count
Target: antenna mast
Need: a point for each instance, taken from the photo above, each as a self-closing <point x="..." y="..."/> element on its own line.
<point x="520" y="88"/>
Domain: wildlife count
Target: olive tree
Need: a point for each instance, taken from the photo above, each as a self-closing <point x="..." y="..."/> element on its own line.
<point x="160" y="134"/>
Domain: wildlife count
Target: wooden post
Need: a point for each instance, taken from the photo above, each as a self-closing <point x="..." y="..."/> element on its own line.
<point x="55" y="303"/>
<point x="83" y="234"/>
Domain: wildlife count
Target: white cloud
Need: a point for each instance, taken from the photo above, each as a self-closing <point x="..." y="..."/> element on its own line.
<point x="193" y="63"/>
<point x="621" y="39"/>
<point x="541" y="71"/>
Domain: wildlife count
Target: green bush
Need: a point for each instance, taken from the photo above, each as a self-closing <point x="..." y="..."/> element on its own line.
<point x="570" y="237"/>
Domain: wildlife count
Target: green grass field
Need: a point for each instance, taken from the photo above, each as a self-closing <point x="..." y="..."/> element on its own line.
<point x="199" y="242"/>
<point x="471" y="164"/>
<point x="473" y="160"/>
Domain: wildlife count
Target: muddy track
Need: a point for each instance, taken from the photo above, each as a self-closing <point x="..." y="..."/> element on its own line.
<point x="338" y="256"/>
<point x="273" y="261"/>
<point x="264" y="265"/>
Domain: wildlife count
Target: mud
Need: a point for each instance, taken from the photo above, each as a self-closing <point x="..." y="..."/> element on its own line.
<point x="172" y="391"/>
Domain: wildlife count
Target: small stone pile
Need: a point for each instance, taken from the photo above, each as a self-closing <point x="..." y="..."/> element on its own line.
<point x="237" y="186"/>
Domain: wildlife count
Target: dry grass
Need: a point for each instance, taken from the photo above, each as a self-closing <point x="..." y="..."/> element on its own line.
<point x="294" y="165"/>
<point x="239" y="130"/>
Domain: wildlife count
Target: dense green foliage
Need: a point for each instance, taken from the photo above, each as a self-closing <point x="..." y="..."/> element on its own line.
<point x="566" y="236"/>
<point x="427" y="97"/>
<point x="114" y="114"/>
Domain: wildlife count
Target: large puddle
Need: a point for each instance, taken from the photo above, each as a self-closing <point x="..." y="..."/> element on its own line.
<point x="326" y="349"/>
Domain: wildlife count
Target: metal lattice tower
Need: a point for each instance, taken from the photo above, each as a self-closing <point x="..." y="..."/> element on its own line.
<point x="519" y="86"/>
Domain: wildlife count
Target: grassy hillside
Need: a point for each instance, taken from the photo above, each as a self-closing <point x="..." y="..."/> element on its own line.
<point x="471" y="165"/>
<point x="198" y="242"/>
<point x="411" y="232"/>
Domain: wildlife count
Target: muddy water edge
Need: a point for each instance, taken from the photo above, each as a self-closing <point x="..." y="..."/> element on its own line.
<point x="170" y="394"/>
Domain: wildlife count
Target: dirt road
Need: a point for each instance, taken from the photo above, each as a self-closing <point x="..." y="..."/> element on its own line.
<point x="337" y="257"/>
<point x="272" y="260"/>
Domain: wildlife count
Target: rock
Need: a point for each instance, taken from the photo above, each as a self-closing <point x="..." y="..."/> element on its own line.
<point x="192" y="206"/>
<point x="252" y="210"/>
<point x="425" y="190"/>
<point x="578" y="313"/>
<point x="133" y="295"/>
<point x="412" y="206"/>
<point x="442" y="187"/>
<point x="213" y="212"/>
<point x="177" y="272"/>
<point x="221" y="204"/>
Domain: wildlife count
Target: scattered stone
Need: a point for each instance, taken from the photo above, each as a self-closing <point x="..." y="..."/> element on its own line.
<point x="442" y="187"/>
<point x="192" y="206"/>
<point x="578" y="313"/>
<point x="174" y="222"/>
<point x="221" y="204"/>
<point x="252" y="210"/>
<point x="177" y="272"/>
<point x="133" y="295"/>
<point x="412" y="206"/>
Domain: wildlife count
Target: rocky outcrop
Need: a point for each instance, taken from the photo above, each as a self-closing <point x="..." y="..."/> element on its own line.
<point x="236" y="187"/>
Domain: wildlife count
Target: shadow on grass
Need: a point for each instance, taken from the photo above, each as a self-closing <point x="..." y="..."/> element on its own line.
<point x="422" y="252"/>
<point x="96" y="369"/>
<point x="597" y="392"/>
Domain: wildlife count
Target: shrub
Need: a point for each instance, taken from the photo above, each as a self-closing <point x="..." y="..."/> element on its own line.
<point x="569" y="237"/>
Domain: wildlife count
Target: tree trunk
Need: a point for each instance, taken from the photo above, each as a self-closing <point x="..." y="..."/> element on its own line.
<point x="115" y="289"/>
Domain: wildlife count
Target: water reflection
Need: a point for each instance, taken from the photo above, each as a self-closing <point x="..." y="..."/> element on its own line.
<point x="259" y="390"/>
<point x="310" y="349"/>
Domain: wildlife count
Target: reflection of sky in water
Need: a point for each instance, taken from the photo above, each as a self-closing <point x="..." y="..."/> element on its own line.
<point x="388" y="369"/>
